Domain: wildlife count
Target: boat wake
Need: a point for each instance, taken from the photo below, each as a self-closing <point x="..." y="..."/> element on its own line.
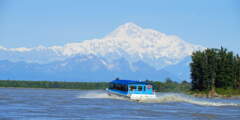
<point x="164" y="98"/>
<point x="175" y="97"/>
<point x="99" y="95"/>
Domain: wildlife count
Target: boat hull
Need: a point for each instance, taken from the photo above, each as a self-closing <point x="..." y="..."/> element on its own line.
<point x="136" y="97"/>
<point x="142" y="97"/>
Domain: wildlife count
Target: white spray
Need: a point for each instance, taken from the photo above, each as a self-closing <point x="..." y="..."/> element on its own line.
<point x="161" y="98"/>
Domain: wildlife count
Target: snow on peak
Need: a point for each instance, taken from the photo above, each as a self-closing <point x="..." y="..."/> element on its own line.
<point x="134" y="43"/>
<point x="128" y="29"/>
<point x="128" y="41"/>
<point x="21" y="49"/>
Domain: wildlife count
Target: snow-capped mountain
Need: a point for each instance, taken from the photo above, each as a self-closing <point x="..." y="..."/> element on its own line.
<point x="128" y="42"/>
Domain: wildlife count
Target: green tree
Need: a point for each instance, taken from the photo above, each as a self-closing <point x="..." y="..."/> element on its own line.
<point x="214" y="68"/>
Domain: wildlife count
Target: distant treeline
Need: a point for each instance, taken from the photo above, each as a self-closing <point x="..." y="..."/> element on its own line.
<point x="170" y="86"/>
<point x="215" y="68"/>
<point x="53" y="84"/>
<point x="167" y="86"/>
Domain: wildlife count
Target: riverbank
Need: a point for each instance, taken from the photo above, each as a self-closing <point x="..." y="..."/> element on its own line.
<point x="220" y="93"/>
<point x="52" y="84"/>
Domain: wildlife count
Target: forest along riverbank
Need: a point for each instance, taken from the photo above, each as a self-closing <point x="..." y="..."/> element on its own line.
<point x="53" y="84"/>
<point x="167" y="86"/>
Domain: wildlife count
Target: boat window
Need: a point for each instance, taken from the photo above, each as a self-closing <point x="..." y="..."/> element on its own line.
<point x="118" y="87"/>
<point x="132" y="88"/>
<point x="125" y="88"/>
<point x="139" y="88"/>
<point x="111" y="86"/>
<point x="144" y="88"/>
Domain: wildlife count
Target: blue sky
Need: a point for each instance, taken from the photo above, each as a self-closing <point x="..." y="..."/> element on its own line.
<point x="29" y="23"/>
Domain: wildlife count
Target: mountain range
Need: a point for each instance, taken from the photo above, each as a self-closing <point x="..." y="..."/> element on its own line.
<point x="129" y="52"/>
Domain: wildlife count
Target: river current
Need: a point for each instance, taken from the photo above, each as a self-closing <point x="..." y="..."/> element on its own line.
<point x="58" y="104"/>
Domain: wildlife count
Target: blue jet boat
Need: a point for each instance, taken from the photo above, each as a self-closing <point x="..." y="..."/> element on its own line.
<point x="135" y="90"/>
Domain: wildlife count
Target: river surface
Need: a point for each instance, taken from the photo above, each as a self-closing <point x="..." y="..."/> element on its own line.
<point x="56" y="104"/>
